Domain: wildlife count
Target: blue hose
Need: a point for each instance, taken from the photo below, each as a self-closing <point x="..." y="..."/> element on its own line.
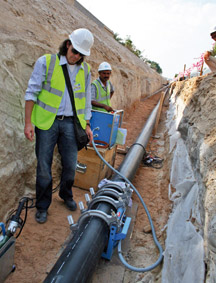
<point x="149" y="218"/>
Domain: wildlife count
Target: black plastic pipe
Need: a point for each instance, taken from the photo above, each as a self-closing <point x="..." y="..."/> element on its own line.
<point x="134" y="156"/>
<point x="80" y="257"/>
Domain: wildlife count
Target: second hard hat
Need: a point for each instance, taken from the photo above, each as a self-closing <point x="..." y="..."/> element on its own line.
<point x="104" y="66"/>
<point x="213" y="30"/>
<point x="82" y="40"/>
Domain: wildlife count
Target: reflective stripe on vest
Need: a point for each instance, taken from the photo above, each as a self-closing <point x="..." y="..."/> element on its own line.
<point x="80" y="93"/>
<point x="49" y="99"/>
<point x="46" y="107"/>
<point x="101" y="93"/>
<point x="47" y="86"/>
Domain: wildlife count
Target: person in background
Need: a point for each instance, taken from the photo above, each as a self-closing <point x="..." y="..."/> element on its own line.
<point x="102" y="90"/>
<point x="48" y="107"/>
<point x="209" y="58"/>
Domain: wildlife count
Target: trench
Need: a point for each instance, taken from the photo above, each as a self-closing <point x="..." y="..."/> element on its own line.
<point x="40" y="245"/>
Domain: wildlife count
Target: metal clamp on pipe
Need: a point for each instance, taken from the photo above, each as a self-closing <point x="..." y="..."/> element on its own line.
<point x="109" y="219"/>
<point x="113" y="193"/>
<point x="118" y="187"/>
<point x="115" y="203"/>
<point x="110" y="192"/>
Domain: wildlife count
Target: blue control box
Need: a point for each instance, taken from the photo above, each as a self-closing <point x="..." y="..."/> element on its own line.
<point x="108" y="124"/>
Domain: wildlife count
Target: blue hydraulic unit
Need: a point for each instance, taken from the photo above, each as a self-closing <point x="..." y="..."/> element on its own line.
<point x="115" y="236"/>
<point x="106" y="125"/>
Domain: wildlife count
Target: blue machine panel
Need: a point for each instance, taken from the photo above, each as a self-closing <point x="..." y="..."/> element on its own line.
<point x="108" y="124"/>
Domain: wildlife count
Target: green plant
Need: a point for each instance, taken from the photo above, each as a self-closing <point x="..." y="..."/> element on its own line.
<point x="128" y="43"/>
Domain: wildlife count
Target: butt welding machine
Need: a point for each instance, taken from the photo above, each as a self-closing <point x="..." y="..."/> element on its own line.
<point x="118" y="195"/>
<point x="119" y="198"/>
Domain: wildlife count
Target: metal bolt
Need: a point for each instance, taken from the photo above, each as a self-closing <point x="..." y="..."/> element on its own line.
<point x="81" y="206"/>
<point x="92" y="192"/>
<point x="87" y="198"/>
<point x="70" y="220"/>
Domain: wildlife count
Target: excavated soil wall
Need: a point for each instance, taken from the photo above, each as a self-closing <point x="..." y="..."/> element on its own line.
<point x="191" y="232"/>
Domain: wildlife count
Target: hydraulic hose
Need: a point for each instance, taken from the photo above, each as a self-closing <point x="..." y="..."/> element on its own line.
<point x="149" y="218"/>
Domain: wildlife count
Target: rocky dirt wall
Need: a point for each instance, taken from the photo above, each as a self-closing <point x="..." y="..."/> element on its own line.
<point x="30" y="28"/>
<point x="195" y="101"/>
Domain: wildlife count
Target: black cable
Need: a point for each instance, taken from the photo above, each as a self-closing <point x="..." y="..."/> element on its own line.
<point x="24" y="221"/>
<point x="26" y="207"/>
<point x="136" y="143"/>
<point x="56" y="188"/>
<point x="152" y="161"/>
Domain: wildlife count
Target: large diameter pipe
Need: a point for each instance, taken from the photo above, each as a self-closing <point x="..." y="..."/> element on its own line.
<point x="79" y="259"/>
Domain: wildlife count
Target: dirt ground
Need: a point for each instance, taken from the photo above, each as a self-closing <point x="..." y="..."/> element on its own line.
<point x="39" y="245"/>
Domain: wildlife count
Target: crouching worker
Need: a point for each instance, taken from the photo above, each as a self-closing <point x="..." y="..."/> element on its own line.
<point x="209" y="56"/>
<point x="102" y="90"/>
<point x="48" y="107"/>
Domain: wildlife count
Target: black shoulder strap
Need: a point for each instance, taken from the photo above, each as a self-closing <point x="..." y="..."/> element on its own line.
<point x="69" y="87"/>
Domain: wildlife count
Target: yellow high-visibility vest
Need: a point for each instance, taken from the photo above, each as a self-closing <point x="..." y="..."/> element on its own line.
<point x="102" y="95"/>
<point x="49" y="99"/>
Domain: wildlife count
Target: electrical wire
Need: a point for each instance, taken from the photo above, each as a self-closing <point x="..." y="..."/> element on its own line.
<point x="152" y="161"/>
<point x="160" y="258"/>
<point x="56" y="188"/>
<point x="26" y="206"/>
<point x="26" y="212"/>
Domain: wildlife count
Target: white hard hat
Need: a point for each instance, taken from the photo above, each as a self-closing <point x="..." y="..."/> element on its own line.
<point x="82" y="40"/>
<point x="104" y="66"/>
<point x="213" y="29"/>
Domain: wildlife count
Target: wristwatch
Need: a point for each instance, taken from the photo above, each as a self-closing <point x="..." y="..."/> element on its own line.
<point x="88" y="124"/>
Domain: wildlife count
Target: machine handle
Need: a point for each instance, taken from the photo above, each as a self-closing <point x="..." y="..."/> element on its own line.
<point x="121" y="118"/>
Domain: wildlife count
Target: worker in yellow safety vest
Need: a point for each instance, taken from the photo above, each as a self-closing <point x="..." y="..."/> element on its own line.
<point x="48" y="107"/>
<point x="102" y="89"/>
